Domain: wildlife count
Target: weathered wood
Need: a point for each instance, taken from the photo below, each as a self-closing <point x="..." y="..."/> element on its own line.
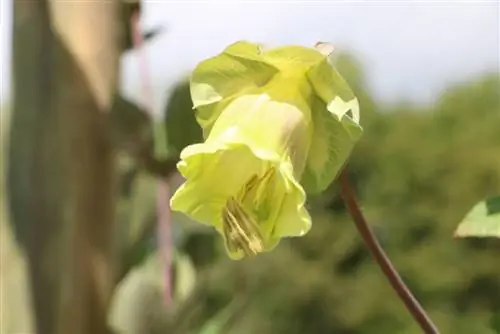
<point x="60" y="181"/>
<point x="92" y="32"/>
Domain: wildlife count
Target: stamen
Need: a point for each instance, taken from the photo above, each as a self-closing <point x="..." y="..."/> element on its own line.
<point x="259" y="182"/>
<point x="247" y="188"/>
<point x="263" y="184"/>
<point x="241" y="231"/>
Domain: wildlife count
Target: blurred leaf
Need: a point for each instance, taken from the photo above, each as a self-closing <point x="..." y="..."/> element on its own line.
<point x="135" y="134"/>
<point x="131" y="7"/>
<point x="181" y="128"/>
<point x="138" y="297"/>
<point x="142" y="205"/>
<point x="139" y="306"/>
<point x="136" y="214"/>
<point x="147" y="36"/>
<point x="495" y="322"/>
<point x="129" y="124"/>
<point x="216" y="324"/>
<point x="161" y="143"/>
<point x="185" y="276"/>
<point x="482" y="221"/>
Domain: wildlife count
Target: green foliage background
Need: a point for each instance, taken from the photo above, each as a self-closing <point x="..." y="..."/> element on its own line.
<point x="417" y="170"/>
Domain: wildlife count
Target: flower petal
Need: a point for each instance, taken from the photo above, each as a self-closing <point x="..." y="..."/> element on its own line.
<point x="293" y="220"/>
<point x="332" y="143"/>
<point x="273" y="128"/>
<point x="213" y="172"/>
<point x="237" y="69"/>
<point x="335" y="114"/>
<point x="331" y="87"/>
<point x="293" y="57"/>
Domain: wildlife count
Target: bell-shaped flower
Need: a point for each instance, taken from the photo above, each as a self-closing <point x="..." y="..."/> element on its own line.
<point x="276" y="125"/>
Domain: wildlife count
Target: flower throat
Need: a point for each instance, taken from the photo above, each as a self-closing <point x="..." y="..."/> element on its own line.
<point x="242" y="231"/>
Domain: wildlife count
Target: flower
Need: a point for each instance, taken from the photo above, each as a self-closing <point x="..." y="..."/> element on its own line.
<point x="276" y="125"/>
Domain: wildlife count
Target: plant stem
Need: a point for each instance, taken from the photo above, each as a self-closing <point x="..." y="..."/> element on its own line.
<point x="413" y="306"/>
<point x="164" y="227"/>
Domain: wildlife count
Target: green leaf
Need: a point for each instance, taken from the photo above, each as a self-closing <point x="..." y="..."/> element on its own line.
<point x="179" y="128"/>
<point x="142" y="206"/>
<point x="495" y="322"/>
<point x="482" y="221"/>
<point x="136" y="212"/>
<point x="137" y="296"/>
<point x="185" y="276"/>
<point x="162" y="150"/>
<point x="215" y="325"/>
<point x="128" y="123"/>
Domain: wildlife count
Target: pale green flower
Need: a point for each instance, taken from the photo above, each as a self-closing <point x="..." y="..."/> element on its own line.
<point x="274" y="121"/>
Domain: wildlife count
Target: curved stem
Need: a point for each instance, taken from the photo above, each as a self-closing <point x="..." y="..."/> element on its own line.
<point x="413" y="306"/>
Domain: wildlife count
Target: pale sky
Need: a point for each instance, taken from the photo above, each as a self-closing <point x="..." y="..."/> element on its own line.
<point x="410" y="50"/>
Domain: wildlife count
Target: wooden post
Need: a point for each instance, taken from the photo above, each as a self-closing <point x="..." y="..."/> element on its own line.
<point x="60" y="182"/>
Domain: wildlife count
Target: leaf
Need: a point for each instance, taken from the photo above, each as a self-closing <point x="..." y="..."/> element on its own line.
<point x="185" y="276"/>
<point x="137" y="297"/>
<point x="142" y="205"/>
<point x="216" y="324"/>
<point x="179" y="128"/>
<point x="128" y="123"/>
<point x="136" y="213"/>
<point x="482" y="221"/>
<point x="495" y="322"/>
<point x="162" y="151"/>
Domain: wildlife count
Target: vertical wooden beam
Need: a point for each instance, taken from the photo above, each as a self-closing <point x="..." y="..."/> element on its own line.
<point x="60" y="182"/>
<point x="93" y="33"/>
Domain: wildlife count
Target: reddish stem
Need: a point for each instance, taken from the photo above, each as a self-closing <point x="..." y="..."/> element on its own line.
<point x="413" y="306"/>
<point x="164" y="228"/>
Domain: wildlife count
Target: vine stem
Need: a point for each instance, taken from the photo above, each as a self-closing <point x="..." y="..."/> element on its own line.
<point x="164" y="226"/>
<point x="411" y="303"/>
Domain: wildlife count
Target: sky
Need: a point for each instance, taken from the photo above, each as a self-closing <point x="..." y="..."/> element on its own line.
<point x="409" y="50"/>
